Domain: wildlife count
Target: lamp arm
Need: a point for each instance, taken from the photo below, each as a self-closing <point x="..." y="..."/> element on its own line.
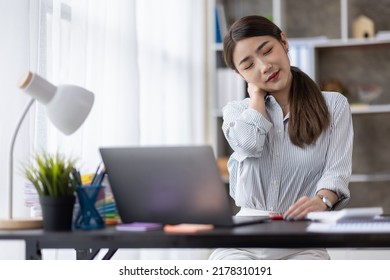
<point x="11" y="157"/>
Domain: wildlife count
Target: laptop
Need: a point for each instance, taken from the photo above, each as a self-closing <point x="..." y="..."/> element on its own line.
<point x="170" y="185"/>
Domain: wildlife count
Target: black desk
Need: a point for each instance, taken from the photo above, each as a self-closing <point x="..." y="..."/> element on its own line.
<point x="273" y="234"/>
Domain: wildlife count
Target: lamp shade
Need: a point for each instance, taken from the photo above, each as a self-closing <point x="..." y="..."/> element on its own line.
<point x="67" y="106"/>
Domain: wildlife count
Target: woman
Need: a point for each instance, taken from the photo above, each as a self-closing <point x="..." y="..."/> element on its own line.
<point x="292" y="143"/>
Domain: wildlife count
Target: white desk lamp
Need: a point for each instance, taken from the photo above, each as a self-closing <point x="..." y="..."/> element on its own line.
<point x="67" y="108"/>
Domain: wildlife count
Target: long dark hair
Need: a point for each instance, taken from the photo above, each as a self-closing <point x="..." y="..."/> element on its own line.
<point x="309" y="114"/>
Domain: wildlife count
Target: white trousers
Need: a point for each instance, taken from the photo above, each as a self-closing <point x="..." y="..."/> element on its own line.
<point x="267" y="253"/>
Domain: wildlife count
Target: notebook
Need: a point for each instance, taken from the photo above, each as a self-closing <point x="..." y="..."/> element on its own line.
<point x="347" y="213"/>
<point x="379" y="224"/>
<point x="170" y="185"/>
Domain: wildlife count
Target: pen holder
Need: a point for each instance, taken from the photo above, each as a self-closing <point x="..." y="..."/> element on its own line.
<point x="90" y="208"/>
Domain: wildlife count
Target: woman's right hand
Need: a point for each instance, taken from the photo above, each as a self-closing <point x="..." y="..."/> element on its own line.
<point x="255" y="92"/>
<point x="257" y="96"/>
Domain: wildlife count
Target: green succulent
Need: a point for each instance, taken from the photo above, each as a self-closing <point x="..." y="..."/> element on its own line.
<point x="52" y="175"/>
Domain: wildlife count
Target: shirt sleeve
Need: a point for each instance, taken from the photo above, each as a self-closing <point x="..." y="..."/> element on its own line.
<point x="338" y="165"/>
<point x="245" y="129"/>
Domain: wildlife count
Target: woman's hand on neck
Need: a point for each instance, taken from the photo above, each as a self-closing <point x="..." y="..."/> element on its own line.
<point x="257" y="99"/>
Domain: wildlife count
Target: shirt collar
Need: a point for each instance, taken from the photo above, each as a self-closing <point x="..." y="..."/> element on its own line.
<point x="271" y="102"/>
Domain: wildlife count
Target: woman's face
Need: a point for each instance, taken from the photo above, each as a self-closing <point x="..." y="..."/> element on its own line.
<point x="263" y="61"/>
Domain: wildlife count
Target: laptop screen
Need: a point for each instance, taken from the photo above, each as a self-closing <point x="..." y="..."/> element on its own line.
<point x="168" y="184"/>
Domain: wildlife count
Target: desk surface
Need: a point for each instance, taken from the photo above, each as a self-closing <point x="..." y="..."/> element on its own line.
<point x="272" y="234"/>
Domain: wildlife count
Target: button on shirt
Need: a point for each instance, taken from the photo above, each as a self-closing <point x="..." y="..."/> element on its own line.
<point x="268" y="172"/>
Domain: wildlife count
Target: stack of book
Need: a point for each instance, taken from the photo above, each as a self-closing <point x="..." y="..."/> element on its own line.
<point x="231" y="86"/>
<point x="31" y="200"/>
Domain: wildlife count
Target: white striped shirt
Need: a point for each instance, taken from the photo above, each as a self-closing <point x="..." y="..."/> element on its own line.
<point x="267" y="172"/>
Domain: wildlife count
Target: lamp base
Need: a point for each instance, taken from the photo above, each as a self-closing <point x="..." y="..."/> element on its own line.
<point x="21" y="223"/>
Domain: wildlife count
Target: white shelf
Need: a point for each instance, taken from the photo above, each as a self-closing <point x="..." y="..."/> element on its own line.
<point x="217" y="47"/>
<point x="361" y="178"/>
<point x="330" y="43"/>
<point x="351" y="42"/>
<point x="370" y="109"/>
<point x="217" y="113"/>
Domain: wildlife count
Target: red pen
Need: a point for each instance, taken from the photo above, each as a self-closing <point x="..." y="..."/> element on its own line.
<point x="276" y="216"/>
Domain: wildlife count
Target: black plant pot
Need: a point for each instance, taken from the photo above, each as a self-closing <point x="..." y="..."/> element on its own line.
<point x="57" y="212"/>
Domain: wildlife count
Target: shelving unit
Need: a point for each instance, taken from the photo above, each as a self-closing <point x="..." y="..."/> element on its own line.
<point x="353" y="62"/>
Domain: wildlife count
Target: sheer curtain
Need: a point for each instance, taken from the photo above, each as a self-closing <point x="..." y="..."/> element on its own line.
<point x="171" y="40"/>
<point x="15" y="56"/>
<point x="145" y="62"/>
<point x="92" y="44"/>
<point x="171" y="44"/>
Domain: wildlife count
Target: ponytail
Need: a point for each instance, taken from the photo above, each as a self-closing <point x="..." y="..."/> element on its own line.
<point x="309" y="114"/>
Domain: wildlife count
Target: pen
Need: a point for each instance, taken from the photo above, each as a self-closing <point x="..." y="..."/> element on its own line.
<point x="76" y="175"/>
<point x="96" y="174"/>
<point x="276" y="216"/>
<point x="99" y="178"/>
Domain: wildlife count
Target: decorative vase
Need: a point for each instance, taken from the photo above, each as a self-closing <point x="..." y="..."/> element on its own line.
<point x="57" y="212"/>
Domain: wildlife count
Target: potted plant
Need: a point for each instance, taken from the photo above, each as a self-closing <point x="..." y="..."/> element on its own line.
<point x="55" y="180"/>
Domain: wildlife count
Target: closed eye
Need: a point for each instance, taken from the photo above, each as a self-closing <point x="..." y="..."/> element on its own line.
<point x="268" y="51"/>
<point x="249" y="66"/>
